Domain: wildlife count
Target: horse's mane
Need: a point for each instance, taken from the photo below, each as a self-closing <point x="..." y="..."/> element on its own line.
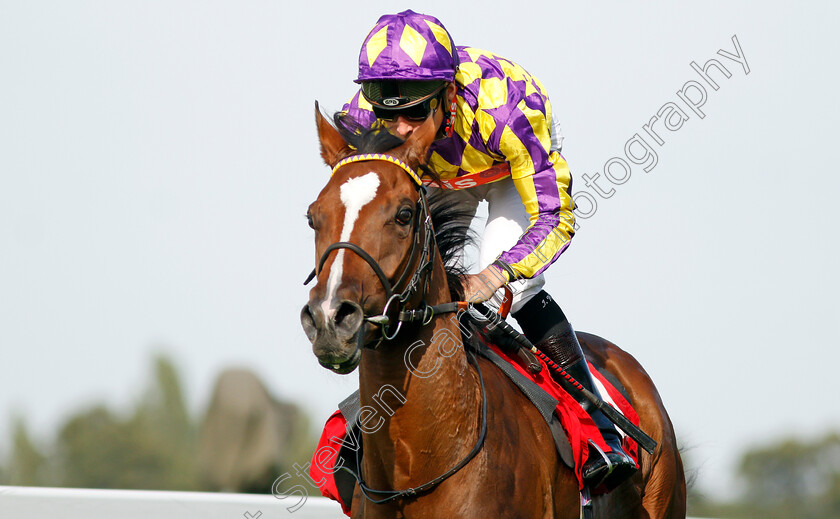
<point x="375" y="139"/>
<point x="452" y="233"/>
<point x="450" y="221"/>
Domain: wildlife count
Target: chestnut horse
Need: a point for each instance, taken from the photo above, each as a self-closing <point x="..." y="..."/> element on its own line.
<point x="443" y="438"/>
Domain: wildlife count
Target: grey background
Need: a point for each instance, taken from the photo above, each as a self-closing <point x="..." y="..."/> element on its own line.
<point x="157" y="158"/>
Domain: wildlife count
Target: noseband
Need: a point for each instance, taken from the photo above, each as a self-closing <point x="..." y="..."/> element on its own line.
<point x="394" y="310"/>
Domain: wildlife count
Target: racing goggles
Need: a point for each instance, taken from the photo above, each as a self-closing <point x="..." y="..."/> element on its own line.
<point x="414" y="100"/>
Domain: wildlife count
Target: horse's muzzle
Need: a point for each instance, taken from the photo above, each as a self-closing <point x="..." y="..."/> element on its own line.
<point x="332" y="332"/>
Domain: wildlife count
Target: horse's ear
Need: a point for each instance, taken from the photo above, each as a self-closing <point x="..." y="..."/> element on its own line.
<point x="417" y="145"/>
<point x="333" y="146"/>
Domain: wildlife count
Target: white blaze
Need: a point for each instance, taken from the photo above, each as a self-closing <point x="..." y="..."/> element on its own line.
<point x="355" y="193"/>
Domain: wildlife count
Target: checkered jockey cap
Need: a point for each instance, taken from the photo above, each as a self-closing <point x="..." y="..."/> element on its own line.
<point x="408" y="46"/>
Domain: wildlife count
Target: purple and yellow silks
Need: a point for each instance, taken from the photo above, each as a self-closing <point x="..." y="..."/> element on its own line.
<point x="503" y="115"/>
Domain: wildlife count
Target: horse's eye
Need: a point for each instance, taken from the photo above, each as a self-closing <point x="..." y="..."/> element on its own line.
<point x="404" y="216"/>
<point x="309" y="220"/>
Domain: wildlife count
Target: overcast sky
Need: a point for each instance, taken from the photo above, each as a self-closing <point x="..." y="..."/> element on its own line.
<point x="157" y="158"/>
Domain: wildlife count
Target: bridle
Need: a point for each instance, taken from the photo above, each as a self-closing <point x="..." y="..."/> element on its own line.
<point x="395" y="311"/>
<point x="424" y="314"/>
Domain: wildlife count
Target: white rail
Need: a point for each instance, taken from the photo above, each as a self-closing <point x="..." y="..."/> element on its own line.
<point x="76" y="503"/>
<point x="84" y="503"/>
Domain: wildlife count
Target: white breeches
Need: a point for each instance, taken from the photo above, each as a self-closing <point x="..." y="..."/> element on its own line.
<point x="506" y="222"/>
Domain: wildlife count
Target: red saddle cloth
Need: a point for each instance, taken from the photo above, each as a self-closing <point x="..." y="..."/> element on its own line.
<point x="576" y="422"/>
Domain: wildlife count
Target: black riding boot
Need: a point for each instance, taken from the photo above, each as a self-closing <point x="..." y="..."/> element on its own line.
<point x="544" y="324"/>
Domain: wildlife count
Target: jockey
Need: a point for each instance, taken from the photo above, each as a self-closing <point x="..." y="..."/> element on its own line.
<point x="496" y="142"/>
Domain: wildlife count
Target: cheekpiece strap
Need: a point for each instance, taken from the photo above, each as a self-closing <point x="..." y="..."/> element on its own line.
<point x="380" y="156"/>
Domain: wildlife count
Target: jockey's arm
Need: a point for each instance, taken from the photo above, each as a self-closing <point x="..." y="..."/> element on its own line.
<point x="542" y="179"/>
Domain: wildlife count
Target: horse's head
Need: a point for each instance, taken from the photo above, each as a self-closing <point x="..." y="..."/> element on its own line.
<point x="366" y="221"/>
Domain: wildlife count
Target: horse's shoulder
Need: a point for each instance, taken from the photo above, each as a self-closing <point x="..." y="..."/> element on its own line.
<point x="508" y="398"/>
<point x="515" y="418"/>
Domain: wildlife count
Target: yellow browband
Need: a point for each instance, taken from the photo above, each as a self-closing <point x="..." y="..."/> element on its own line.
<point x="379" y="156"/>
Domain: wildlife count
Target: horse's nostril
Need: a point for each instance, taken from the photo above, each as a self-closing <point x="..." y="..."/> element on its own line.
<point x="348" y="317"/>
<point x="308" y="322"/>
<point x="345" y="309"/>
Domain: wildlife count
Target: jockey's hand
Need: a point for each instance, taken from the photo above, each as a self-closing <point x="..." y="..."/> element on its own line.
<point x="481" y="287"/>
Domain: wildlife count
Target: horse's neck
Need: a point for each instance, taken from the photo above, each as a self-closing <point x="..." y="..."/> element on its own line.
<point x="422" y="388"/>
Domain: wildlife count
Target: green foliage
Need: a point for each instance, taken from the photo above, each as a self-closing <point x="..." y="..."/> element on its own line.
<point x="301" y="443"/>
<point x="95" y="449"/>
<point x="794" y="478"/>
<point x="152" y="447"/>
<point x="790" y="478"/>
<point x="27" y="463"/>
